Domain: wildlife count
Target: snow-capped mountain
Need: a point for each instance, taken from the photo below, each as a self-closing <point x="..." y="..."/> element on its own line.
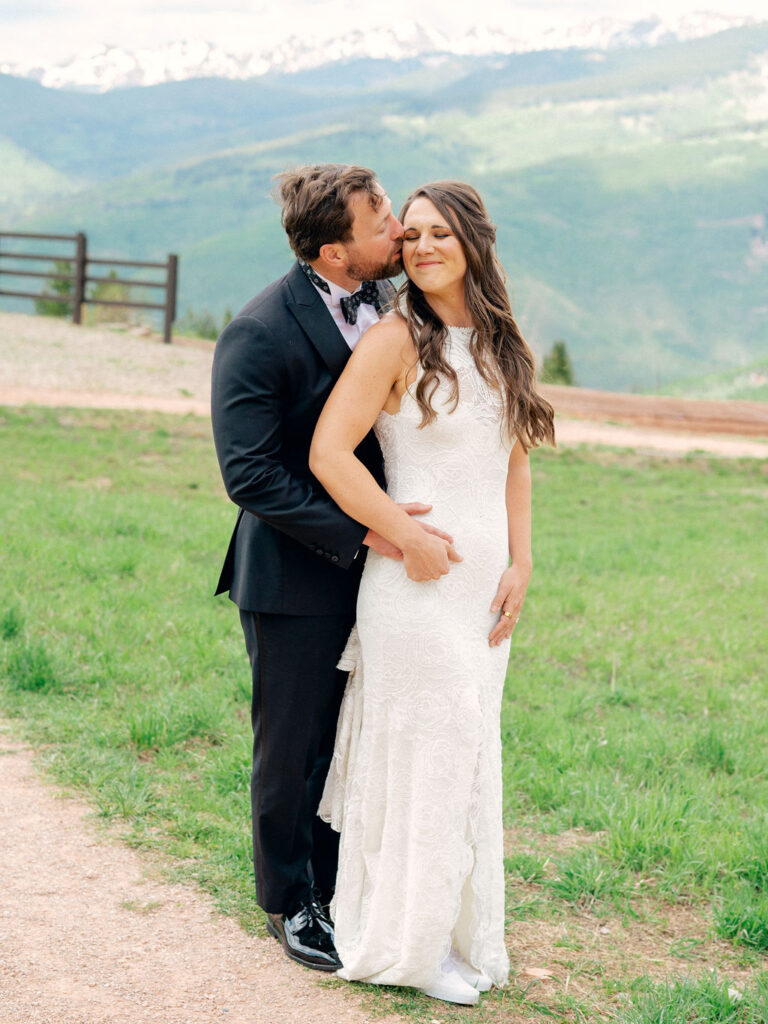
<point x="109" y="67"/>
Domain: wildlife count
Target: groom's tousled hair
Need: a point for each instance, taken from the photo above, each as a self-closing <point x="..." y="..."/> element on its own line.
<point x="315" y="201"/>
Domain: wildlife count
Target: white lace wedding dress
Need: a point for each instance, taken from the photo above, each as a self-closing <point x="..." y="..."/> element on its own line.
<point x="415" y="782"/>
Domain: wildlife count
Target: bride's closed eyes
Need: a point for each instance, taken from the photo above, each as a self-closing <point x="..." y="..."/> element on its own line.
<point x="412" y="235"/>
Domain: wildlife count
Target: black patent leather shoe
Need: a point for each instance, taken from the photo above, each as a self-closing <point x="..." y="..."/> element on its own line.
<point x="323" y="903"/>
<point x="306" y="936"/>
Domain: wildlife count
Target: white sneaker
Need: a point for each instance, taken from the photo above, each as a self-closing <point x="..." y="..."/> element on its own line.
<point x="451" y="987"/>
<point x="472" y="977"/>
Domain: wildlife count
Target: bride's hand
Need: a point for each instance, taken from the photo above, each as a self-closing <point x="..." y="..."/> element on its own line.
<point x="384" y="547"/>
<point x="509" y="601"/>
<point x="428" y="557"/>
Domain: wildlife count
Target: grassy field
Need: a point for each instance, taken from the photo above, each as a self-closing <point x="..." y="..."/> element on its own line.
<point x="636" y="789"/>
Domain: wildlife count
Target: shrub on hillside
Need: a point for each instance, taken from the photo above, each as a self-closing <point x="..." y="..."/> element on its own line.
<point x="57" y="291"/>
<point x="202" y="324"/>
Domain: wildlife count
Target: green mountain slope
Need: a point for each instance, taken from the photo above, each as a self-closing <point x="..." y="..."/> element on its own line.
<point x="630" y="188"/>
<point x="25" y="180"/>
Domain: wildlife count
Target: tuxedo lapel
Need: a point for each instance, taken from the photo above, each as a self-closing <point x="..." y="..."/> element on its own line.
<point x="313" y="317"/>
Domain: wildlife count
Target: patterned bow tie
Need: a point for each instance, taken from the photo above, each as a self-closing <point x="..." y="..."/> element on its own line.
<point x="368" y="293"/>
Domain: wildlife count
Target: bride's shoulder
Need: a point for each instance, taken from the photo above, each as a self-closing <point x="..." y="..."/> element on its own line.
<point x="391" y="332"/>
<point x="392" y="324"/>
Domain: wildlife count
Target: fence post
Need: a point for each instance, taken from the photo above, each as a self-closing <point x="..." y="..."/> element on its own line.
<point x="170" y="296"/>
<point x="80" y="260"/>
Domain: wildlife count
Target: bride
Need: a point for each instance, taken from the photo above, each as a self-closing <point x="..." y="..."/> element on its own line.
<point x="415" y="784"/>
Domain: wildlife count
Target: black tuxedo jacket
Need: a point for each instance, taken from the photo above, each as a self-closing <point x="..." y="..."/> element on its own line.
<point x="293" y="550"/>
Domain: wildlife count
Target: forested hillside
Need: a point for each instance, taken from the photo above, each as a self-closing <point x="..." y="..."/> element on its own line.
<point x="630" y="187"/>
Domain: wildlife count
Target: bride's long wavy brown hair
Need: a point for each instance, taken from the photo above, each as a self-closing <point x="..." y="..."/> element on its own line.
<point x="501" y="355"/>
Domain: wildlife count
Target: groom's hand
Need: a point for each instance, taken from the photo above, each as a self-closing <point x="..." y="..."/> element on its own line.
<point x="418" y="508"/>
<point x="384" y="547"/>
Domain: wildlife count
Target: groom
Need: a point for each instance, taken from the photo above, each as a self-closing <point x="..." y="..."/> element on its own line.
<point x="294" y="561"/>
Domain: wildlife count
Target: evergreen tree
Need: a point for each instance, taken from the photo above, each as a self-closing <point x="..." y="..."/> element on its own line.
<point x="557" y="367"/>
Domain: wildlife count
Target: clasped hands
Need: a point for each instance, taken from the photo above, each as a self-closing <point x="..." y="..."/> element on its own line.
<point x="430" y="557"/>
<point x="429" y="554"/>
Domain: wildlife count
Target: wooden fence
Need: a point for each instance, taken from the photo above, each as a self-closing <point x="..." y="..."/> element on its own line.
<point x="80" y="277"/>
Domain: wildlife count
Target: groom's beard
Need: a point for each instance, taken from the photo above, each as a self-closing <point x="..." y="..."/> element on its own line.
<point x="364" y="270"/>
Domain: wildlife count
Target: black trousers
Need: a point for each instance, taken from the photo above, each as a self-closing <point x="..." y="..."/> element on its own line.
<point x="297" y="692"/>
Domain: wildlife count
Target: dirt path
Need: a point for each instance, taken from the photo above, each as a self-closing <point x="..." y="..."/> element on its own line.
<point x="572" y="433"/>
<point x="89" y="935"/>
<point x="694" y="415"/>
<point x="45" y="361"/>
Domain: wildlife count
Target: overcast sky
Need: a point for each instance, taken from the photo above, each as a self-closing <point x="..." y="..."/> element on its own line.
<point x="47" y="30"/>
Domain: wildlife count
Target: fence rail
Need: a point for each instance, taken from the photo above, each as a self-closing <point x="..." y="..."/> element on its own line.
<point x="79" y="263"/>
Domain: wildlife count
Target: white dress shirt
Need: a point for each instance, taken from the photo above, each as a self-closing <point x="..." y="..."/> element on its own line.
<point x="366" y="315"/>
